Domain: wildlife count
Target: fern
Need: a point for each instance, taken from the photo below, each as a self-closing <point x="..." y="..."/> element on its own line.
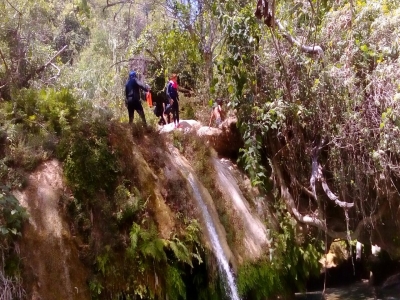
<point x="154" y="249"/>
<point x="180" y="251"/>
<point x="134" y="237"/>
<point x="176" y="288"/>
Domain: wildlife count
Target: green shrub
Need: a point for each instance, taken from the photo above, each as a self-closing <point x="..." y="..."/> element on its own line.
<point x="90" y="165"/>
<point x="12" y="214"/>
<point x="259" y="280"/>
<point x="52" y="109"/>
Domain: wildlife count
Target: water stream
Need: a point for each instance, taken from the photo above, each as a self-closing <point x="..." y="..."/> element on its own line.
<point x="216" y="240"/>
<point x="219" y="253"/>
<point x="255" y="236"/>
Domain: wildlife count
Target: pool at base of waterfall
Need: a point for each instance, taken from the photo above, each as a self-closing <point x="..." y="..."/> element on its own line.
<point x="356" y="291"/>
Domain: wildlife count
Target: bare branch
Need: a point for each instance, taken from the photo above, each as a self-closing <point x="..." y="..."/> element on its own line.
<point x="58" y="73"/>
<point x="307" y="49"/>
<point x="115" y="3"/>
<point x="314" y="171"/>
<point x="314" y="219"/>
<point x="316" y="175"/>
<point x="304" y="189"/>
<point x="331" y="195"/>
<point x="153" y="56"/>
<point x="14" y="8"/>
<point x="40" y="69"/>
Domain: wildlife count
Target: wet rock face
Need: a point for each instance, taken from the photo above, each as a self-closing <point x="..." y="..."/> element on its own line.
<point x="391" y="286"/>
<point x="382" y="268"/>
<point x="225" y="139"/>
<point x="51" y="265"/>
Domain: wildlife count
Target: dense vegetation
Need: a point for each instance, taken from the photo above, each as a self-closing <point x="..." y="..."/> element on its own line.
<point x="315" y="89"/>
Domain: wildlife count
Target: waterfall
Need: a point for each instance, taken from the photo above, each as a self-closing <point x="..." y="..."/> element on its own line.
<point x="215" y="239"/>
<point x="219" y="253"/>
<point x="255" y="234"/>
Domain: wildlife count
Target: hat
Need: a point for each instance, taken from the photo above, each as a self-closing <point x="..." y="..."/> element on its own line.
<point x="132" y="74"/>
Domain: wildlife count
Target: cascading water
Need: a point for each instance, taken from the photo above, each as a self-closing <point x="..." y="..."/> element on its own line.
<point x="216" y="240"/>
<point x="255" y="234"/>
<point x="219" y="253"/>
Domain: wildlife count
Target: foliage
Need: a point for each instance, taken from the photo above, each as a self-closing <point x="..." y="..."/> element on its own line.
<point x="293" y="259"/>
<point x="154" y="268"/>
<point x="297" y="254"/>
<point x="89" y="164"/>
<point x="53" y="109"/>
<point x="259" y="280"/>
<point x="32" y="125"/>
<point x="12" y="215"/>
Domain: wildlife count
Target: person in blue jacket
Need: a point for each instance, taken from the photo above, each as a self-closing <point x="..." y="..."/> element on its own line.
<point x="132" y="94"/>
<point x="172" y="95"/>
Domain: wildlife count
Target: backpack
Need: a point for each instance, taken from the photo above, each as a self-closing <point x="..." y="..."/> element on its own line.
<point x="166" y="89"/>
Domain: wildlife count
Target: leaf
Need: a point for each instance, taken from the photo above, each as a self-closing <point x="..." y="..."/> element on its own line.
<point x="364" y="48"/>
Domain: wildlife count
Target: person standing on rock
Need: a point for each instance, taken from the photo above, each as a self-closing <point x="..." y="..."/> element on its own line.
<point x="132" y="96"/>
<point x="172" y="94"/>
<point x="217" y="113"/>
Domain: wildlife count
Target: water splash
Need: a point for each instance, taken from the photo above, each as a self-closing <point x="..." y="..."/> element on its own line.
<point x="223" y="264"/>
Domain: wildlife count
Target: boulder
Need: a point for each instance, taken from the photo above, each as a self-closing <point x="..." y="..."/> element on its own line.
<point x="225" y="139"/>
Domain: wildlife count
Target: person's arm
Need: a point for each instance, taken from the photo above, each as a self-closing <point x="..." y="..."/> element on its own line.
<point x="143" y="86"/>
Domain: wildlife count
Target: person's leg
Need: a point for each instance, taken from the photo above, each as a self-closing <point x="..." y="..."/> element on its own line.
<point x="131" y="110"/>
<point x="175" y="113"/>
<point x="139" y="109"/>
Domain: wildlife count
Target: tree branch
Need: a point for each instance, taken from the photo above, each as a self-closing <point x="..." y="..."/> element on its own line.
<point x="307" y="49"/>
<point x="316" y="175"/>
<point x="314" y="219"/>
<point x="115" y="3"/>
<point x="40" y="69"/>
<point x="153" y="56"/>
<point x="14" y="8"/>
<point x="331" y="195"/>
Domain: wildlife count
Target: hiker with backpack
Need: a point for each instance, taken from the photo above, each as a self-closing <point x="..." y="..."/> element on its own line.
<point x="132" y="96"/>
<point x="173" y="99"/>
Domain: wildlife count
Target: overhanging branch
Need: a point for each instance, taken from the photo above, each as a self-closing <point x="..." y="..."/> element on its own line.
<point x="315" y="220"/>
<point x="41" y="68"/>
<point x="316" y="175"/>
<point x="266" y="12"/>
<point x="315" y="49"/>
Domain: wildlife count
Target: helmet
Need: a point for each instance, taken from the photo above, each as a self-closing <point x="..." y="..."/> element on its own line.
<point x="132" y="74"/>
